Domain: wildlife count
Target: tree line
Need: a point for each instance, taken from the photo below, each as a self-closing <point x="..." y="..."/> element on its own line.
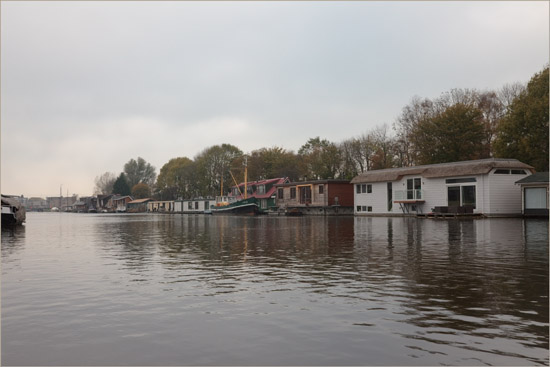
<point x="461" y="124"/>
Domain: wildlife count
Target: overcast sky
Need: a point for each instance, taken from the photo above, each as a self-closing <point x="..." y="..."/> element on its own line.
<point x="86" y="86"/>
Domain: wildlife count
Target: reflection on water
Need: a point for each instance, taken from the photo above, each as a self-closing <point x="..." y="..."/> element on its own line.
<point x="202" y="290"/>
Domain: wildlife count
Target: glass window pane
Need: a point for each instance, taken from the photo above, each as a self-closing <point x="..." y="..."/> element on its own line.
<point x="453" y="196"/>
<point x="535" y="198"/>
<point x="469" y="195"/>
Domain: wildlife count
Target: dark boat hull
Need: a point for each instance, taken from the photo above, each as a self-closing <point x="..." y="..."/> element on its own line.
<point x="241" y="207"/>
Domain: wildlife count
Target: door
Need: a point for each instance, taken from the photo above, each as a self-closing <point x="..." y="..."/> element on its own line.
<point x="453" y="196"/>
<point x="305" y="195"/>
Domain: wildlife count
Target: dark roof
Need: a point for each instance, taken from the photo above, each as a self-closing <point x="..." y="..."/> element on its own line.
<point x="452" y="169"/>
<point x="539" y="177"/>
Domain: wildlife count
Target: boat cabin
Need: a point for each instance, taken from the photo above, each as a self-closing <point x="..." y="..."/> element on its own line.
<point x="264" y="191"/>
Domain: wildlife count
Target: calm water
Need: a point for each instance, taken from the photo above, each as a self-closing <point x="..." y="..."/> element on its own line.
<point x="81" y="289"/>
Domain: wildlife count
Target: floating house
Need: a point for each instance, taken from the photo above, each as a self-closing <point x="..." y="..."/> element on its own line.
<point x="119" y="202"/>
<point x="534" y="190"/>
<point x="484" y="186"/>
<point x="138" y="205"/>
<point x="194" y="206"/>
<point x="320" y="197"/>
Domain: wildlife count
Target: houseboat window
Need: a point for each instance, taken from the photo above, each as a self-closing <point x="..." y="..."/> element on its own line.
<point x="460" y="180"/>
<point x="518" y="172"/>
<point x="461" y="195"/>
<point x="263" y="203"/>
<point x="363" y="188"/>
<point x="321" y="189"/>
<point x="235" y="191"/>
<point x="280" y="193"/>
<point x="206" y="205"/>
<point x="369" y="189"/>
<point x="414" y="186"/>
<point x="250" y="190"/>
<point x="196" y="204"/>
<point x="358" y="189"/>
<point x="364" y="208"/>
<point x="369" y="208"/>
<point x="261" y="189"/>
<point x="390" y="195"/>
<point x="536" y="198"/>
<point x="502" y="172"/>
<point x="453" y="196"/>
<point x="293" y="193"/>
<point x="358" y="206"/>
<point x="469" y="195"/>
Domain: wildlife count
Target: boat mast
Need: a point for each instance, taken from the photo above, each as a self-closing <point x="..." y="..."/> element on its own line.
<point x="245" y="177"/>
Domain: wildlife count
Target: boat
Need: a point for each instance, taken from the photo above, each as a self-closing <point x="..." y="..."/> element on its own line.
<point x="248" y="198"/>
<point x="247" y="206"/>
<point x="13" y="213"/>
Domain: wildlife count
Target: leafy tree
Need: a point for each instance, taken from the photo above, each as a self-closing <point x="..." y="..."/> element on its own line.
<point x="456" y="134"/>
<point x="139" y="171"/>
<point x="177" y="179"/>
<point x="141" y="191"/>
<point x="417" y="111"/>
<point x="104" y="183"/>
<point x="273" y="162"/>
<point x="321" y="157"/>
<point x="121" y="186"/>
<point x="523" y="132"/>
<point x="213" y="165"/>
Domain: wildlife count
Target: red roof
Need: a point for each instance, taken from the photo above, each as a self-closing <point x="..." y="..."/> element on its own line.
<point x="254" y="184"/>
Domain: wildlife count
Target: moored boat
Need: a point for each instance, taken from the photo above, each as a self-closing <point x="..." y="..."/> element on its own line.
<point x="240" y="207"/>
<point x="13" y="213"/>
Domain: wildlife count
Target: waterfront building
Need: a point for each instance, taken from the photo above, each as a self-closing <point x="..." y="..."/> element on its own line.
<point x="162" y="206"/>
<point x="138" y="205"/>
<point x="319" y="197"/>
<point x="484" y="186"/>
<point x="194" y="206"/>
<point x="119" y="202"/>
<point x="534" y="194"/>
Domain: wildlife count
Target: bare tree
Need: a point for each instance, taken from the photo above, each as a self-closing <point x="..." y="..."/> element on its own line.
<point x="104" y="183"/>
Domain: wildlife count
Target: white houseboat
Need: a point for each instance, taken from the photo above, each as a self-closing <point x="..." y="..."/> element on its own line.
<point x="484" y="186"/>
<point x="198" y="205"/>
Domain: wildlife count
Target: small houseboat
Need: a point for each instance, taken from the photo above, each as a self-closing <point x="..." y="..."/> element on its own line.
<point x="319" y="197"/>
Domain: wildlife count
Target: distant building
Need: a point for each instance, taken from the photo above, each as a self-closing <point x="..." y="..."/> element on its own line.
<point x="37" y="204"/>
<point x="61" y="201"/>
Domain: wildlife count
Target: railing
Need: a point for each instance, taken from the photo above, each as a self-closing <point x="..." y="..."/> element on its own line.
<point x="409" y="195"/>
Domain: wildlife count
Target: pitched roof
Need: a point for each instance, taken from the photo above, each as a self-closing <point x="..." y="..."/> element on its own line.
<point x="538" y="177"/>
<point x="452" y="169"/>
<point x="139" y="201"/>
